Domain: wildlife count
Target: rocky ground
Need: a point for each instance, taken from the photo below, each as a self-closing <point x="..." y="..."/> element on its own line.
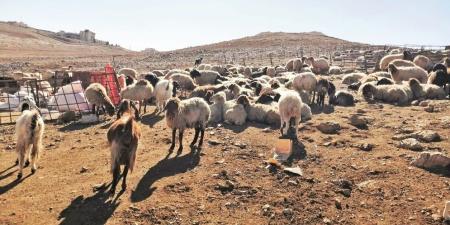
<point x="352" y="175"/>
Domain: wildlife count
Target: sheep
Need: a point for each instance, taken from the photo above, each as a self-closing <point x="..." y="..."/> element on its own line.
<point x="289" y="105"/>
<point x="96" y="95"/>
<point x="426" y="91"/>
<point x="234" y="113"/>
<point x="335" y="70"/>
<point x="396" y="94"/>
<point x="140" y="91"/>
<point x="352" y="78"/>
<point x="216" y="108"/>
<point x="164" y="89"/>
<point x="259" y="112"/>
<point x="319" y="65"/>
<point x="384" y="62"/>
<point x="123" y="139"/>
<point x="189" y="113"/>
<point x="400" y="74"/>
<point x="439" y="77"/>
<point x="297" y="65"/>
<point x="247" y="72"/>
<point x="422" y="62"/>
<point x="305" y="82"/>
<point x="342" y="98"/>
<point x="158" y="73"/>
<point x="128" y="72"/>
<point x="201" y="91"/>
<point x="29" y="133"/>
<point x="185" y="81"/>
<point x="204" y="77"/>
<point x="306" y="113"/>
<point x="259" y="73"/>
<point x="267" y="98"/>
<point x="324" y="87"/>
<point x="290" y="65"/>
<point x="271" y="71"/>
<point x="402" y="63"/>
<point x="381" y="74"/>
<point x="237" y="90"/>
<point x="175" y="71"/>
<point x="385" y="81"/>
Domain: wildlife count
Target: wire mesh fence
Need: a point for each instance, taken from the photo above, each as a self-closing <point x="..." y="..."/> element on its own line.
<point x="56" y="95"/>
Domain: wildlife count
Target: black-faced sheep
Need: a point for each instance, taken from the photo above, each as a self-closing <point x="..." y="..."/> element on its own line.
<point x="123" y="137"/>
<point x="439" y="78"/>
<point x="342" y="98"/>
<point x="141" y="91"/>
<point x="96" y="95"/>
<point x="29" y="132"/>
<point x="426" y="91"/>
<point x="205" y="77"/>
<point x="400" y="94"/>
<point x="259" y="112"/>
<point x="189" y="113"/>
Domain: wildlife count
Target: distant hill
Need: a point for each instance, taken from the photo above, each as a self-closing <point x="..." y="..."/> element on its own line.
<point x="19" y="40"/>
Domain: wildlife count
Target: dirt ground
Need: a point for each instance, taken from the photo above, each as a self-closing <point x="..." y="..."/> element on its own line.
<point x="227" y="182"/>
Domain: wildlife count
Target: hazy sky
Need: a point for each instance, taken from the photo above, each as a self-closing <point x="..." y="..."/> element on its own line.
<point x="173" y="24"/>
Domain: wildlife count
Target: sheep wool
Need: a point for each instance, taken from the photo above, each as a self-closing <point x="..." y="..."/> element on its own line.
<point x="400" y="74"/>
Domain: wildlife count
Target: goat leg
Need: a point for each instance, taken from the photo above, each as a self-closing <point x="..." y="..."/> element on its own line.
<point x="172" y="146"/>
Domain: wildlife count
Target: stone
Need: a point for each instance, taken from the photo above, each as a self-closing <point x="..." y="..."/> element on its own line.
<point x="83" y="169"/>
<point x="214" y="142"/>
<point x="411" y="144"/>
<point x="326" y="221"/>
<point x="67" y="117"/>
<point x="329" y="127"/>
<point x="427" y="136"/>
<point x="358" y="121"/>
<point x="431" y="160"/>
<point x="288" y="212"/>
<point x="337" y="203"/>
<point x="424" y="103"/>
<point x="366" y="147"/>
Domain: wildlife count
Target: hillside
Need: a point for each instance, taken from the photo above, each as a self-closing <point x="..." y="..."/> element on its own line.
<point x="18" y="40"/>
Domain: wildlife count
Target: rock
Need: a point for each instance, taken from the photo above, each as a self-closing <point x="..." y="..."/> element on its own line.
<point x="362" y="111"/>
<point x="292" y="182"/>
<point x="427" y="136"/>
<point x="431" y="160"/>
<point x="446" y="213"/>
<point x="346" y="192"/>
<point x="436" y="217"/>
<point x="424" y="103"/>
<point x="288" y="212"/>
<point x="9" y="147"/>
<point x="329" y="127"/>
<point x="337" y="203"/>
<point x="67" y="117"/>
<point x="214" y="142"/>
<point x="228" y="186"/>
<point x="342" y="183"/>
<point x="366" y="147"/>
<point x="358" y="121"/>
<point x="326" y="221"/>
<point x="83" y="169"/>
<point x="294" y="170"/>
<point x="367" y="185"/>
<point x="411" y="144"/>
<point x="415" y="102"/>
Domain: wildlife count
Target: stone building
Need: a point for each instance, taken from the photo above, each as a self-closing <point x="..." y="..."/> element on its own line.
<point x="87" y="36"/>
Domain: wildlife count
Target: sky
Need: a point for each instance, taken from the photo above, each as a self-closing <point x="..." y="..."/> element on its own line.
<point x="174" y="24"/>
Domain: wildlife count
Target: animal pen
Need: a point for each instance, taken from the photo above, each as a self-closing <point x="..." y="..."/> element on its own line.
<point x="62" y="92"/>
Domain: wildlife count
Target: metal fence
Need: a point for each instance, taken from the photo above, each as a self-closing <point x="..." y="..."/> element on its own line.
<point x="60" y="93"/>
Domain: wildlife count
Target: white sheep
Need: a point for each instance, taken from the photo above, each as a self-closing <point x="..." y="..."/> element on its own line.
<point x="141" y="91"/>
<point x="259" y="112"/>
<point x="29" y="133"/>
<point x="297" y="65"/>
<point x="319" y="65"/>
<point x="290" y="106"/>
<point x="218" y="101"/>
<point x="306" y="112"/>
<point x="400" y="94"/>
<point x="400" y="74"/>
<point x="123" y="138"/>
<point x="290" y="65"/>
<point x="423" y="62"/>
<point x="175" y="71"/>
<point x="426" y="91"/>
<point x="128" y="72"/>
<point x="189" y="113"/>
<point x="234" y="113"/>
<point x="384" y="62"/>
<point x="96" y="95"/>
<point x="402" y="62"/>
<point x="305" y="82"/>
<point x="204" y="77"/>
<point x="336" y="70"/>
<point x="185" y="81"/>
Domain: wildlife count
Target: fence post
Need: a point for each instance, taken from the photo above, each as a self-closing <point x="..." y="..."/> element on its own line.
<point x="271" y="61"/>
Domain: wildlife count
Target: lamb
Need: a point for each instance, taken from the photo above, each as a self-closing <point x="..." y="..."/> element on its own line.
<point x="426" y="91"/>
<point x="164" y="89"/>
<point x="396" y="94"/>
<point x="259" y="112"/>
<point x="342" y="98"/>
<point x="389" y="58"/>
<point x="141" y="91"/>
<point x="123" y="139"/>
<point x="29" y="133"/>
<point x="204" y="77"/>
<point x="319" y="65"/>
<point x="422" y="62"/>
<point x="400" y="74"/>
<point x="234" y="113"/>
<point x="96" y="95"/>
<point x="290" y="106"/>
<point x="189" y="113"/>
<point x="216" y="108"/>
<point x="324" y="87"/>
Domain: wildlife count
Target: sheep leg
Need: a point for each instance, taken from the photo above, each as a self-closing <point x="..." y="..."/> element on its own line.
<point x="202" y="134"/>
<point x="145" y="106"/>
<point x="116" y="174"/>
<point x="34" y="157"/>
<point x="172" y="146"/>
<point x="27" y="162"/>
<point x="140" y="106"/>
<point x="124" y="181"/>
<point x="93" y="109"/>
<point x="283" y="125"/>
<point x="197" y="130"/>
<point x="180" y="141"/>
<point x="21" y="157"/>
